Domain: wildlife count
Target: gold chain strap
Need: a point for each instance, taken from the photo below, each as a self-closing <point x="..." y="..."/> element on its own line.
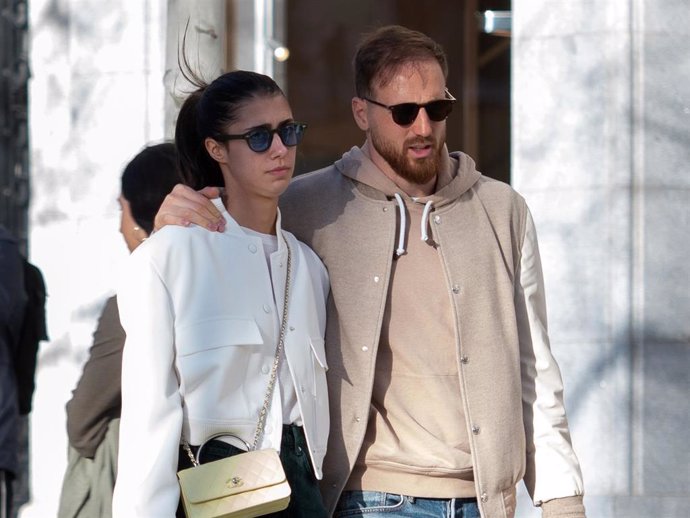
<point x="279" y="353"/>
<point x="274" y="370"/>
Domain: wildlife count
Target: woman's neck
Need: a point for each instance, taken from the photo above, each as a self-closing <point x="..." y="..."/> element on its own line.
<point x="259" y="215"/>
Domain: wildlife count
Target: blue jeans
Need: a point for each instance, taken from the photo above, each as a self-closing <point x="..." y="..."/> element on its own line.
<point x="373" y="504"/>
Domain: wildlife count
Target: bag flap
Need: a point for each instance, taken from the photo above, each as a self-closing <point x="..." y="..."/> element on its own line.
<point x="231" y="476"/>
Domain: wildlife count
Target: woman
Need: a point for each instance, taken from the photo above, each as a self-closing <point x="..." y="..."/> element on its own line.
<point x="203" y="311"/>
<point x="94" y="410"/>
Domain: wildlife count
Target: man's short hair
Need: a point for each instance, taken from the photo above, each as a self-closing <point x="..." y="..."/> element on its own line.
<point x="385" y="51"/>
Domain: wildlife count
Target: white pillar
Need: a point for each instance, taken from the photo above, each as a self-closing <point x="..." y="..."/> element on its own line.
<point x="96" y="98"/>
<point x="601" y="111"/>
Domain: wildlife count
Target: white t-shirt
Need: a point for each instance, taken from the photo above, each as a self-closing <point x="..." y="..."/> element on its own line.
<point x="288" y="396"/>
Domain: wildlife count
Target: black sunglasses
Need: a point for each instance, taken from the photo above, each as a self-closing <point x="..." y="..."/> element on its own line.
<point x="405" y="114"/>
<point x="260" y="139"/>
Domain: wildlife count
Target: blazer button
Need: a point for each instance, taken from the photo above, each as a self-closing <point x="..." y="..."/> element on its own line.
<point x="476" y="429"/>
<point x="484" y="497"/>
<point x="464" y="360"/>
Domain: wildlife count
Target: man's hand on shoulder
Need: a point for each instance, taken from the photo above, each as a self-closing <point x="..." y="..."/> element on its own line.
<point x="184" y="206"/>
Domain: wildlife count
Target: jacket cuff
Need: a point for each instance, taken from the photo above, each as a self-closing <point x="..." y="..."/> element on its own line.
<point x="568" y="507"/>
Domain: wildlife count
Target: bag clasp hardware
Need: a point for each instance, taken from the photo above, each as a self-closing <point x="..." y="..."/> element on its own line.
<point x="234" y="482"/>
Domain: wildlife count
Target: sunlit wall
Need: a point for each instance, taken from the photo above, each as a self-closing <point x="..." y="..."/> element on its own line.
<point x="96" y="98"/>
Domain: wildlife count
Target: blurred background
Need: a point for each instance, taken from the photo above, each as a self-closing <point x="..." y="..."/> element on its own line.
<point x="583" y="106"/>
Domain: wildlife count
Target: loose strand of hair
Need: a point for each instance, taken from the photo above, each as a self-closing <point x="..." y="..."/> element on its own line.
<point x="186" y="69"/>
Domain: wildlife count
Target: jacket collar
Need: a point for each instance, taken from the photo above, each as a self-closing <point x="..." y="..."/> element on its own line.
<point x="234" y="228"/>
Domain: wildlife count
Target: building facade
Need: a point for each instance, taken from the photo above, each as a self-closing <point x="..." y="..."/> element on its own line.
<point x="585" y="109"/>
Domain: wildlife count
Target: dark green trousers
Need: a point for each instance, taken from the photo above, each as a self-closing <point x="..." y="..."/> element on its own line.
<point x="305" y="500"/>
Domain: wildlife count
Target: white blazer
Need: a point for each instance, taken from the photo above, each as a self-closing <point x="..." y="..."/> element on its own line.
<point x="202" y="319"/>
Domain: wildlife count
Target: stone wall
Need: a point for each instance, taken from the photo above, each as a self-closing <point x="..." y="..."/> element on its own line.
<point x="601" y="111"/>
<point x="96" y="98"/>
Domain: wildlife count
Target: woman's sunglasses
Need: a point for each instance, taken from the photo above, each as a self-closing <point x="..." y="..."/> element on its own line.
<point x="405" y="114"/>
<point x="260" y="139"/>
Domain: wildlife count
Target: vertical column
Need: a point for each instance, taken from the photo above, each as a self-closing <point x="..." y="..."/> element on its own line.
<point x="572" y="154"/>
<point x="259" y="33"/>
<point x="96" y="98"/>
<point x="661" y="184"/>
<point x="601" y="111"/>
<point x="14" y="134"/>
<point x="222" y="36"/>
<point x="204" y="47"/>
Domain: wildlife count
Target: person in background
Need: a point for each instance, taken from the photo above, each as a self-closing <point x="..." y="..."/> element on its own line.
<point x="13" y="300"/>
<point x="204" y="313"/>
<point x="34" y="331"/>
<point x="443" y="389"/>
<point x="93" y="412"/>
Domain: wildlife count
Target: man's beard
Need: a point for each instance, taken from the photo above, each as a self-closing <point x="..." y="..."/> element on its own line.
<point x="417" y="171"/>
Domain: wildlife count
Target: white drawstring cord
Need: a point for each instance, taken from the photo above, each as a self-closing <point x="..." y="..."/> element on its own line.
<point x="403" y="224"/>
<point x="425" y="220"/>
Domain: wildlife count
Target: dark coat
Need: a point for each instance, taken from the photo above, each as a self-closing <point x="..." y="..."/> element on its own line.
<point x="12" y="306"/>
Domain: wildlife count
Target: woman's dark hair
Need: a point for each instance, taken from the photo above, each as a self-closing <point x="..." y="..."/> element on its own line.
<point x="383" y="52"/>
<point x="147" y="179"/>
<point x="206" y="113"/>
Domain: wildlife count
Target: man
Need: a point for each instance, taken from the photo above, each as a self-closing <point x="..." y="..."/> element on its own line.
<point x="444" y="393"/>
<point x="12" y="303"/>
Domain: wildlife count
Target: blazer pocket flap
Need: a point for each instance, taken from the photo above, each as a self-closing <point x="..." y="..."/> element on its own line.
<point x="211" y="334"/>
<point x="318" y="346"/>
<point x="230" y="476"/>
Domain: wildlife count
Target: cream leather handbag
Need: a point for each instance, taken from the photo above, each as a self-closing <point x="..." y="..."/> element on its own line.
<point x="243" y="486"/>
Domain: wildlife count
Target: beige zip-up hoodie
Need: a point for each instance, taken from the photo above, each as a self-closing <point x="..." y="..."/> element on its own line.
<point x="509" y="386"/>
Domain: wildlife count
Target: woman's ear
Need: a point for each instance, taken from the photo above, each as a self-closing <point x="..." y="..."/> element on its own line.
<point x="218" y="152"/>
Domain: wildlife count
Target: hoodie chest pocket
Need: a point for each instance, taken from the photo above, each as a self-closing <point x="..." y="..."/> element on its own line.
<point x="214" y="335"/>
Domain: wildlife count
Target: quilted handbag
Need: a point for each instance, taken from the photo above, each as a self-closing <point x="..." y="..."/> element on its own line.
<point x="250" y="484"/>
<point x="243" y="486"/>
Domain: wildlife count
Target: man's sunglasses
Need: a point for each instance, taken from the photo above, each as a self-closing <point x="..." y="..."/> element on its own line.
<point x="260" y="139"/>
<point x="406" y="113"/>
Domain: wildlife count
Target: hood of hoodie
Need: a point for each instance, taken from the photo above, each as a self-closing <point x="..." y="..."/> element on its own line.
<point x="456" y="175"/>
